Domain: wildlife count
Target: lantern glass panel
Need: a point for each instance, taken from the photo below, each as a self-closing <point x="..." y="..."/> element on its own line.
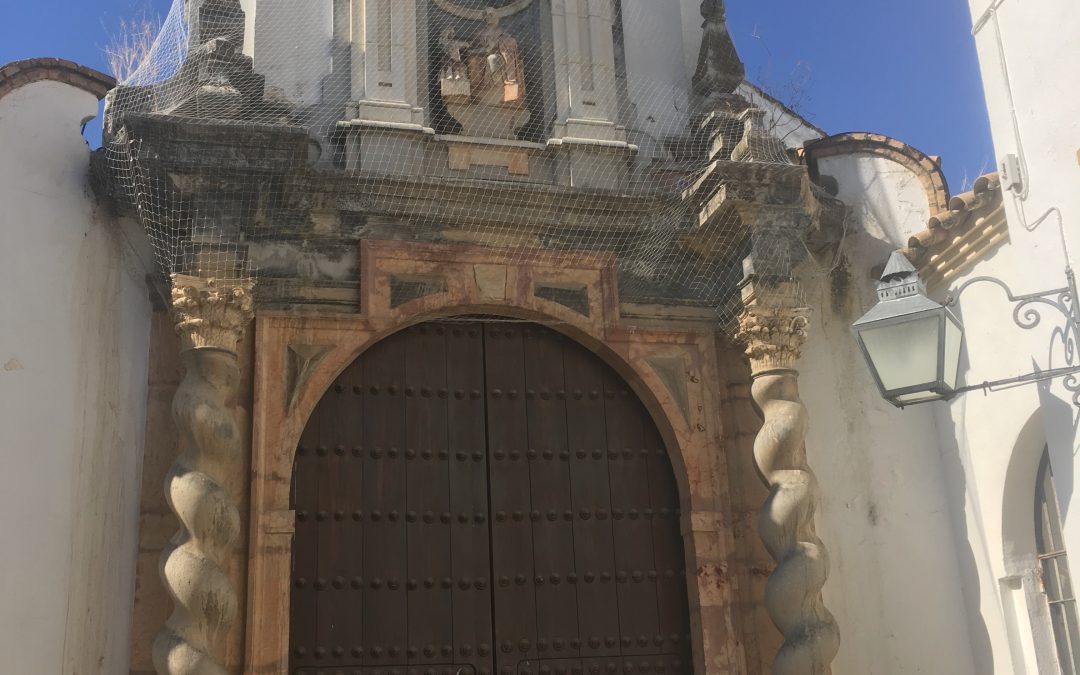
<point x="954" y="337"/>
<point x="904" y="354"/>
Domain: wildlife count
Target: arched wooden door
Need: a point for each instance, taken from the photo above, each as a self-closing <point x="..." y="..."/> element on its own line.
<point x="482" y="498"/>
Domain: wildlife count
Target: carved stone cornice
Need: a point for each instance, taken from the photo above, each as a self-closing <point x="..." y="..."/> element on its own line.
<point x="210" y="314"/>
<point x="773" y="326"/>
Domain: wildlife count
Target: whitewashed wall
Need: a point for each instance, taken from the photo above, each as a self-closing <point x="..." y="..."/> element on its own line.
<point x="1027" y="54"/>
<point x="888" y="517"/>
<point x="74" y="336"/>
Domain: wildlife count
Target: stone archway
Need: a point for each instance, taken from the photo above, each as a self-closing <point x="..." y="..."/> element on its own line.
<point x="299" y="357"/>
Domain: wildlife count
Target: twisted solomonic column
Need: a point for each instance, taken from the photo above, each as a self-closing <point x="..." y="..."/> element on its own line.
<point x="773" y="329"/>
<point x="209" y="321"/>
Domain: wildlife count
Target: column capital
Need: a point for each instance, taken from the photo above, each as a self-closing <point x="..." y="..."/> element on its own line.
<point x="773" y="326"/>
<point x="209" y="313"/>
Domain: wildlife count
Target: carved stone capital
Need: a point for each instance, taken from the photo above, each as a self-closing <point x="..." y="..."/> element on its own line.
<point x="773" y="327"/>
<point x="209" y="314"/>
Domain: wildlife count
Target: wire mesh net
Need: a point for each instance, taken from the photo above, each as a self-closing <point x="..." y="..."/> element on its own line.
<point x="265" y="144"/>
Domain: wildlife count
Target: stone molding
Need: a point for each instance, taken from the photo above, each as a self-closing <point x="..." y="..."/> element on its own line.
<point x="209" y="313"/>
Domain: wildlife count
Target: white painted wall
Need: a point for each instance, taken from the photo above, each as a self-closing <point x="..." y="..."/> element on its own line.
<point x="292" y="48"/>
<point x="887" y="511"/>
<point x="74" y="336"/>
<point x="1028" y="55"/>
<point x="657" y="78"/>
<point x="928" y="513"/>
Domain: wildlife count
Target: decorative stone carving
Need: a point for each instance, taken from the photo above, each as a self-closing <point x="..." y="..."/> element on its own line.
<point x="717" y="122"/>
<point x="773" y="327"/>
<point x="208" y="314"/>
<point x="300" y="362"/>
<point x="209" y="319"/>
<point x="773" y="336"/>
<point x="483" y="79"/>
<point x="672" y="372"/>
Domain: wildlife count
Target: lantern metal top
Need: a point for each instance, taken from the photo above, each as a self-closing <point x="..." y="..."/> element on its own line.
<point x="902" y="299"/>
<point x="900" y="292"/>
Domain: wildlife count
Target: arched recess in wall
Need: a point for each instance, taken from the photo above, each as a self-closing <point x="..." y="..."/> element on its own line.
<point x="926" y="168"/>
<point x="1031" y="640"/>
<point x="1018" y="497"/>
<point x="530" y="475"/>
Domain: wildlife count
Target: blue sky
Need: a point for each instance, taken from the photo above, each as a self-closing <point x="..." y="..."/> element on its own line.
<point x="905" y="69"/>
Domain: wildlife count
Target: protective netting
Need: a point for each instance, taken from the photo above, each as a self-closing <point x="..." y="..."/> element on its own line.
<point x="266" y="144"/>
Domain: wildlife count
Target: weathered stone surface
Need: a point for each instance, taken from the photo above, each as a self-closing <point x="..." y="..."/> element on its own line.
<point x="194" y="565"/>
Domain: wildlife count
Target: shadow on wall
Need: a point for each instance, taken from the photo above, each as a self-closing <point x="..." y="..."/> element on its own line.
<point x="1061" y="422"/>
<point x="953" y="459"/>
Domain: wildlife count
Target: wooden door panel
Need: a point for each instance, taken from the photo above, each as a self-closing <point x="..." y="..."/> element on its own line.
<point x="470" y="550"/>
<point x="552" y="512"/>
<point x="669" y="570"/>
<point x="632" y="533"/>
<point x="305" y="489"/>
<point x="429" y="582"/>
<point x="594" y="553"/>
<point x="383" y="494"/>
<point x="480" y="498"/>
<point x="511" y="501"/>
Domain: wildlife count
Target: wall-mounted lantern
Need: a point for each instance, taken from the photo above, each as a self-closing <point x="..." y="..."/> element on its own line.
<point x="912" y="344"/>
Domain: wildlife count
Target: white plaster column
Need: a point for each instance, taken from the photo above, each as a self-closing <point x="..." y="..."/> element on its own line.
<point x="209" y="320"/>
<point x="586" y="99"/>
<point x="773" y="327"/>
<point x="384" y="62"/>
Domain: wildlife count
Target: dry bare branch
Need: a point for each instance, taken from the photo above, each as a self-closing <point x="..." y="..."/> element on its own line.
<point x="130" y="45"/>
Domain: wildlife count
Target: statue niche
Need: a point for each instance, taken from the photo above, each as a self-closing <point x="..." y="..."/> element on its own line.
<point x="482" y="79"/>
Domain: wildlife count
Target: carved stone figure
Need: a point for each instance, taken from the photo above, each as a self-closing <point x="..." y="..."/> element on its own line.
<point x="495" y="62"/>
<point x="455" y="74"/>
<point x="483" y="80"/>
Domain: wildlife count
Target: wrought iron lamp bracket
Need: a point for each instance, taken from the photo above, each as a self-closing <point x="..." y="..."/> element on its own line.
<point x="1028" y="314"/>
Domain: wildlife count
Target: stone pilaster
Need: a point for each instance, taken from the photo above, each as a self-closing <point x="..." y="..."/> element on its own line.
<point x="384" y="53"/>
<point x="585" y="71"/>
<point x="210" y="319"/>
<point x="773" y="327"/>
